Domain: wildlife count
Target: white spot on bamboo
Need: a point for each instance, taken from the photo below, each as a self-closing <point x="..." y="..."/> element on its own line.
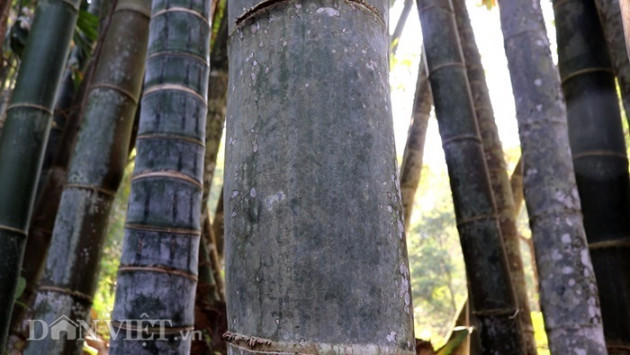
<point x="566" y="239"/>
<point x="328" y="11"/>
<point x="537" y="82"/>
<point x="391" y="337"/>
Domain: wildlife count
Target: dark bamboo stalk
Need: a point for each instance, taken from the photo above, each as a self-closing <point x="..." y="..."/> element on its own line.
<point x="497" y="170"/>
<point x="568" y="291"/>
<point x="158" y="268"/>
<point x="492" y="296"/>
<point x="24" y="137"/>
<point x="611" y="20"/>
<point x="599" y="159"/>
<point x="94" y="175"/>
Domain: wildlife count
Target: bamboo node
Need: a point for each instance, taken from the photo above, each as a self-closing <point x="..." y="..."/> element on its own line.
<point x="74" y="6"/>
<point x="462" y="137"/>
<point x="171" y="174"/>
<point x="128" y="6"/>
<point x="446" y="65"/>
<point x="160" y="270"/>
<point x="251" y="341"/>
<point x="510" y="312"/>
<point x="586" y="71"/>
<point x="96" y="189"/>
<point x="596" y="153"/>
<point x="617" y="243"/>
<point x="126" y="93"/>
<point x="159" y="229"/>
<point x="174" y="87"/>
<point x="66" y="291"/>
<point x="172" y="136"/>
<point x="476" y="218"/>
<point x="181" y="9"/>
<point x="29" y="105"/>
<point x="13" y="229"/>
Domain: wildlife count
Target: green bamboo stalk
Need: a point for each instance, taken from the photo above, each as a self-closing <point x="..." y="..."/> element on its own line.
<point x="94" y="175"/>
<point x="568" y="291"/>
<point x="158" y="268"/>
<point x="411" y="167"/>
<point x="610" y="16"/>
<point x="315" y="244"/>
<point x="24" y="137"/>
<point x="599" y="158"/>
<point x="493" y="152"/>
<point x="50" y="185"/>
<point x="492" y="296"/>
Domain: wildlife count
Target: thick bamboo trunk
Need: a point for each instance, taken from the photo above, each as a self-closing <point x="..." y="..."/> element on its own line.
<point x="599" y="158"/>
<point x="157" y="277"/>
<point x="24" y="137"/>
<point x="568" y="291"/>
<point x="497" y="170"/>
<point x="492" y="297"/>
<point x="94" y="174"/>
<point x="315" y="245"/>
<point x="411" y="167"/>
<point x="612" y="24"/>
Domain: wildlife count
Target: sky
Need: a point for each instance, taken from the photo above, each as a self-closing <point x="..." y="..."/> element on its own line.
<point x="487" y="28"/>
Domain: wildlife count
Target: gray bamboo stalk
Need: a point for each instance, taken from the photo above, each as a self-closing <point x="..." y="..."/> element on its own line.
<point x="612" y="24"/>
<point x="157" y="277"/>
<point x="568" y="291"/>
<point x="411" y="167"/>
<point x="492" y="296"/>
<point x="599" y="158"/>
<point x="497" y="170"/>
<point x="94" y="175"/>
<point x="624" y="5"/>
<point x="24" y="137"/>
<point x="315" y="242"/>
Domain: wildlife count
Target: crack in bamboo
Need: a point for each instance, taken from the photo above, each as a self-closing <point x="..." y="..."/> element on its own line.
<point x="118" y="89"/>
<point x="66" y="291"/>
<point x="159" y="270"/>
<point x="97" y="189"/>
<point x="30" y="105"/>
<point x="586" y="71"/>
<point x="172" y="136"/>
<point x="174" y="87"/>
<point x="269" y="4"/>
<point x="151" y="330"/>
<point x="181" y="9"/>
<point x="158" y="229"/>
<point x="170" y="174"/>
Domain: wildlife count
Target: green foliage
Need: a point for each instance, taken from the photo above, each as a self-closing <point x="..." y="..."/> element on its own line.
<point x="105" y="292"/>
<point x="438" y="278"/>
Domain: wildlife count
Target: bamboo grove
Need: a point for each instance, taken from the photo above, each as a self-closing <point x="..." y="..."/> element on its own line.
<point x="306" y="248"/>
